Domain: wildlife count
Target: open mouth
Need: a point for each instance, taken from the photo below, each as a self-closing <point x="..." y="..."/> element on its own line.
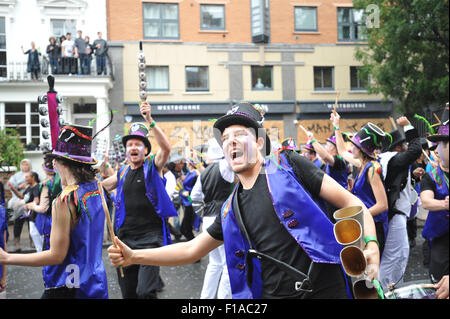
<point x="236" y="154"/>
<point x="134" y="153"/>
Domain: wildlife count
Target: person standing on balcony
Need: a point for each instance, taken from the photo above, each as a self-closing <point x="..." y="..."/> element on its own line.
<point x="33" y="64"/>
<point x="54" y="53"/>
<point x="89" y="52"/>
<point x="101" y="49"/>
<point x="69" y="52"/>
<point x="80" y="44"/>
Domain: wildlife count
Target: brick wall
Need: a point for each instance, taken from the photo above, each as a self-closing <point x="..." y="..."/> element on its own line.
<point x="125" y="21"/>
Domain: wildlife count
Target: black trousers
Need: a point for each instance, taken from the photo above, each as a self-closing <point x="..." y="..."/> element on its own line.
<point x="188" y="222"/>
<point x="18" y="226"/>
<point x="380" y="236"/>
<point x="439" y="256"/>
<point x="69" y="65"/>
<point x="141" y="281"/>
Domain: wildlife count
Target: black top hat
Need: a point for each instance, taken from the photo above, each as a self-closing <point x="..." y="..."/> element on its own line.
<point x="74" y="143"/>
<point x="397" y="139"/>
<point x="140" y="132"/>
<point x="245" y="114"/>
<point x="368" y="139"/>
<point x="442" y="134"/>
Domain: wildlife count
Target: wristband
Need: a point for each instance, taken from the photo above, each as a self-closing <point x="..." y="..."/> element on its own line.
<point x="314" y="140"/>
<point x="336" y="128"/>
<point x="371" y="238"/>
<point x="153" y="124"/>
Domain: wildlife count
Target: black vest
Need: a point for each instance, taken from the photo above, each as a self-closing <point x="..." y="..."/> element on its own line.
<point x="215" y="189"/>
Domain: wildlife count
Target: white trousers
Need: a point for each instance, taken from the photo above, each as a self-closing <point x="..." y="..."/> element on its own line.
<point x="396" y="252"/>
<point x="216" y="275"/>
<point x="36" y="237"/>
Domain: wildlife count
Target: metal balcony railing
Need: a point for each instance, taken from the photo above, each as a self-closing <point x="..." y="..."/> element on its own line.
<point x="17" y="70"/>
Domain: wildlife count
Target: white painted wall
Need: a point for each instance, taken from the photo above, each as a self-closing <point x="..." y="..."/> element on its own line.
<point x="29" y="20"/>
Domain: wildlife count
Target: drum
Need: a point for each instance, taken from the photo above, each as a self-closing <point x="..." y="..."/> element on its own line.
<point x="414" y="291"/>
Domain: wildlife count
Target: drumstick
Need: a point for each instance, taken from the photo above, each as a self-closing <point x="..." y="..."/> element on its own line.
<point x="394" y="126"/>
<point x="304" y="130"/>
<point x="437" y="118"/>
<point x="426" y="155"/>
<point x="108" y="219"/>
<point x="336" y="102"/>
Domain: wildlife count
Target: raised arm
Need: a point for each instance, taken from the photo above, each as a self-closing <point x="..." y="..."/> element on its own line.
<point x="164" y="147"/>
<point x="340" y="144"/>
<point x="320" y="150"/>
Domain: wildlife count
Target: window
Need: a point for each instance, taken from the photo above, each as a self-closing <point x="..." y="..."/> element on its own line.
<point x="160" y="21"/>
<point x="157" y="78"/>
<point x="262" y="77"/>
<point x="350" y="26"/>
<point x="323" y="78"/>
<point x="2" y="48"/>
<point x="212" y="17"/>
<point x="356" y="83"/>
<point x="61" y="27"/>
<point x="17" y="115"/>
<point x="305" y="18"/>
<point x="197" y="78"/>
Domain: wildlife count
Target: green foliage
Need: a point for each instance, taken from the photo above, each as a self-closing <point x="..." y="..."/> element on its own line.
<point x="11" y="148"/>
<point x="407" y="56"/>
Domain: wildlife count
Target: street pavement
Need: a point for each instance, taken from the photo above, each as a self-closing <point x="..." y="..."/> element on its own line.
<point x="181" y="282"/>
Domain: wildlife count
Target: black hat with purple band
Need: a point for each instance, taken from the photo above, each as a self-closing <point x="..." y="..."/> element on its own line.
<point x="245" y="114"/>
<point x="368" y="139"/>
<point x="442" y="134"/>
<point x="74" y="143"/>
<point x="138" y="131"/>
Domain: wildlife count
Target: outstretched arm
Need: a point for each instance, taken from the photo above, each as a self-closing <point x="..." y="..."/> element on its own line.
<point x="171" y="255"/>
<point x="320" y="150"/>
<point x="59" y="242"/>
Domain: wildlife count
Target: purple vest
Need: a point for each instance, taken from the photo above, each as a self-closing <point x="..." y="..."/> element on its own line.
<point x="298" y="213"/>
<point x="84" y="257"/>
<point x="3" y="229"/>
<point x="437" y="221"/>
<point x="363" y="190"/>
<point x="340" y="177"/>
<point x="154" y="190"/>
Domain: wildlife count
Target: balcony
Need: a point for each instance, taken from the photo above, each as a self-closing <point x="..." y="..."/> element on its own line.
<point x="17" y="70"/>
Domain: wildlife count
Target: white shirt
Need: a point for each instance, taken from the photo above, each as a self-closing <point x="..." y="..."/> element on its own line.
<point x="68" y="47"/>
<point x="171" y="183"/>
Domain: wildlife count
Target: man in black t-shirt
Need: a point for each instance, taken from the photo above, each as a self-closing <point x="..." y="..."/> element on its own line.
<point x="244" y="149"/>
<point x="141" y="186"/>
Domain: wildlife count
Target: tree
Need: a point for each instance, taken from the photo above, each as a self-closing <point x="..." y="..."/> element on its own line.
<point x="407" y="56"/>
<point x="11" y="148"/>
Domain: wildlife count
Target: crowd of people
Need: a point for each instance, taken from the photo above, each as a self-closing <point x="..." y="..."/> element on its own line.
<point x="267" y="211"/>
<point x="69" y="56"/>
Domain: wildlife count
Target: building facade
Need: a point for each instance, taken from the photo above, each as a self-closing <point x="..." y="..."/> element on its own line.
<point x="85" y="96"/>
<point x="203" y="56"/>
